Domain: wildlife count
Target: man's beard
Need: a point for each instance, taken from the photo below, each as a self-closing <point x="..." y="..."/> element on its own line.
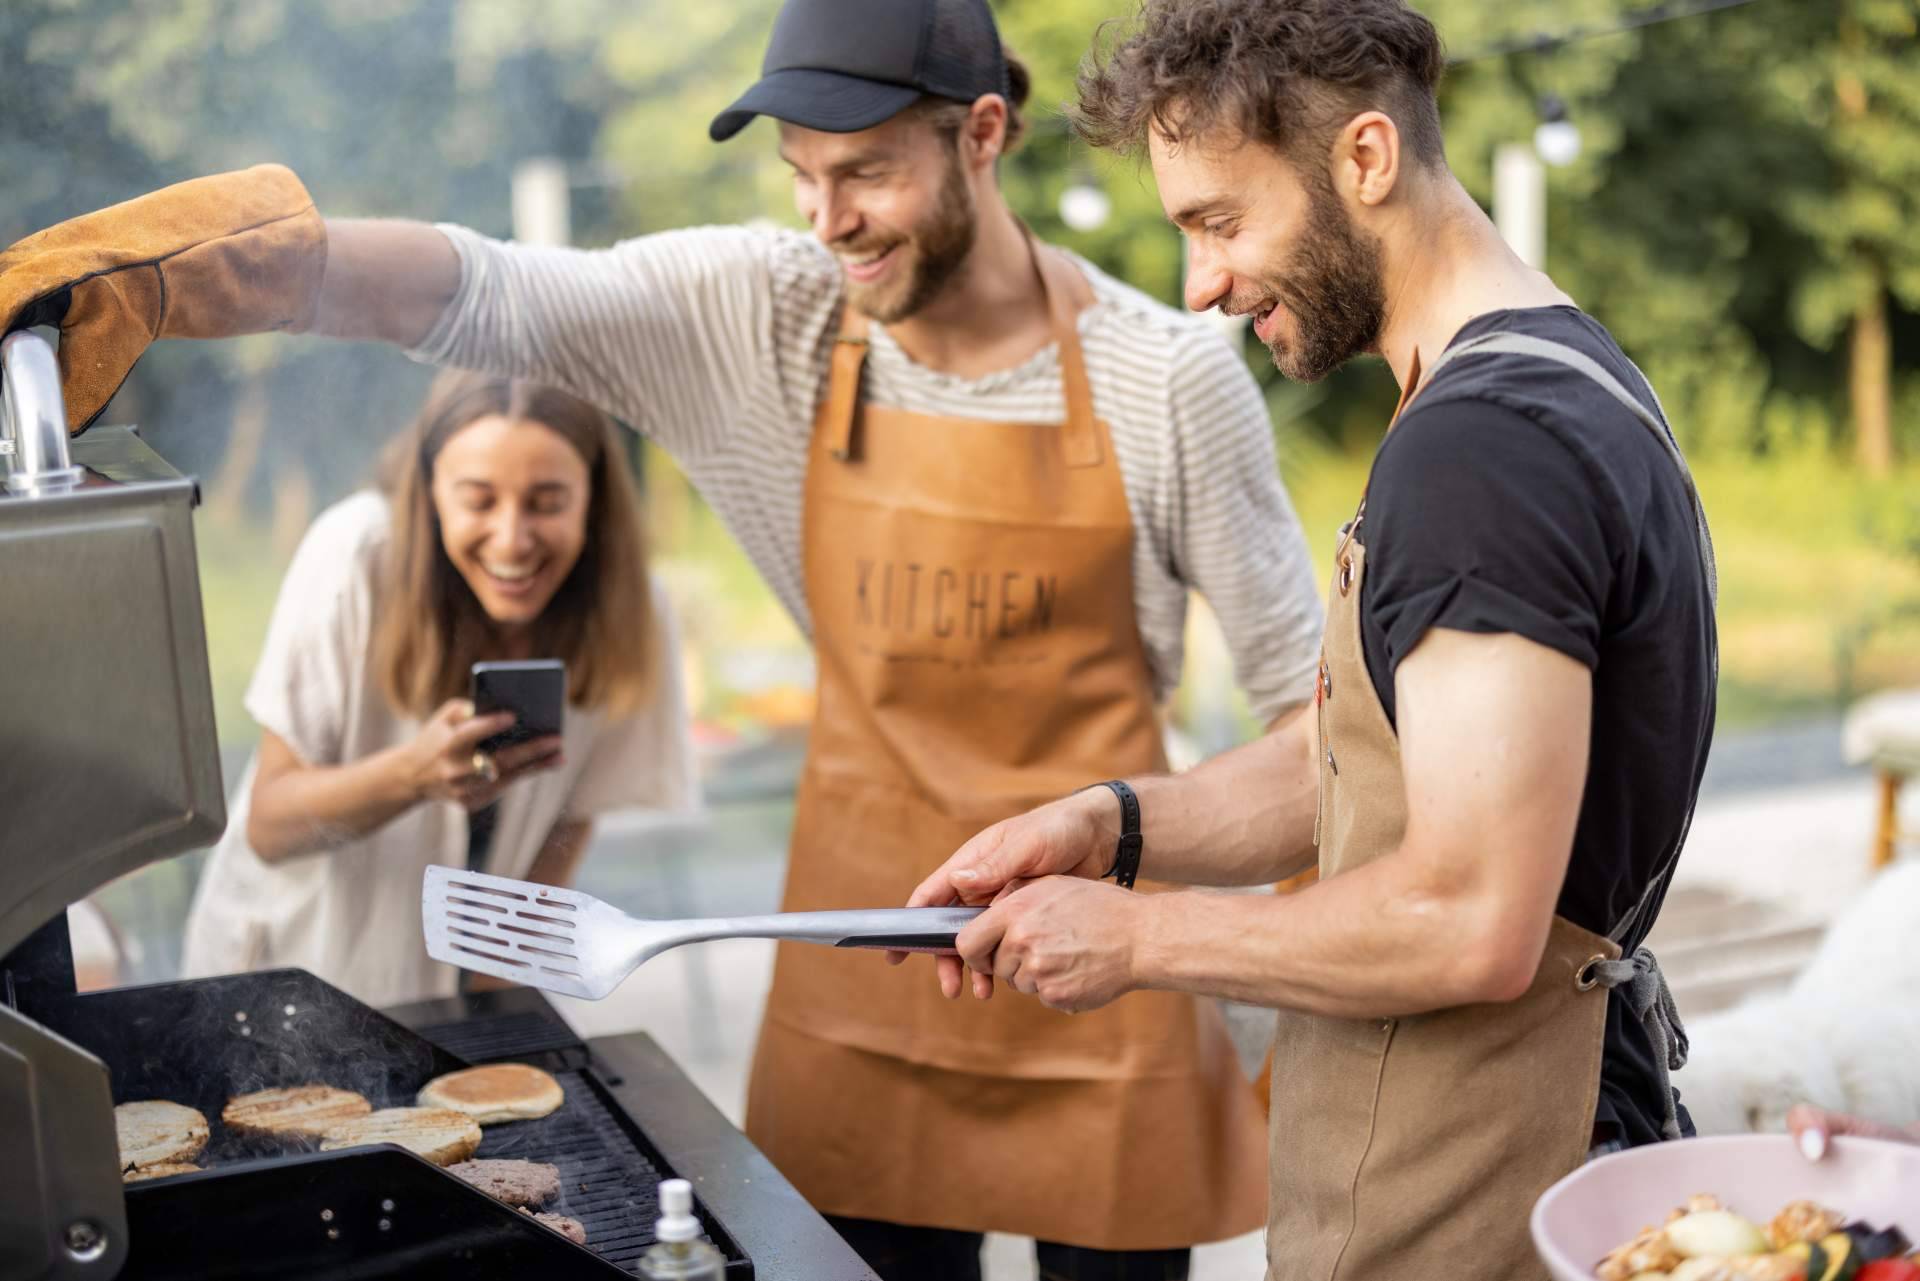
<point x="1330" y="286"/>
<point x="934" y="252"/>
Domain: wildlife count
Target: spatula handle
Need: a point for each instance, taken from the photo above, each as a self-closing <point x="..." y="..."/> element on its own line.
<point x="937" y="944"/>
<point x="903" y="929"/>
<point x="912" y="929"/>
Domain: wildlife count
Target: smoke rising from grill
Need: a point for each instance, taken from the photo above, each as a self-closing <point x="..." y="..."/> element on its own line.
<point x="205" y="1041"/>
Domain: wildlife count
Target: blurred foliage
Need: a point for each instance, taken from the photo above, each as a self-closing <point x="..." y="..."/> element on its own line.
<point x="1742" y="204"/>
<point x="1741" y="213"/>
<point x="1745" y="191"/>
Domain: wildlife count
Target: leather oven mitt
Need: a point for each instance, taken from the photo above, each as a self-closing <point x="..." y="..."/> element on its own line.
<point x="236" y="253"/>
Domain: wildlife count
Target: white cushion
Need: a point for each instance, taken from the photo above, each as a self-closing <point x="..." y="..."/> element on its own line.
<point x="1884" y="730"/>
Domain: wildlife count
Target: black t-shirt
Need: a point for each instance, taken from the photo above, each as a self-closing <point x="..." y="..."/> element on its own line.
<point x="1516" y="495"/>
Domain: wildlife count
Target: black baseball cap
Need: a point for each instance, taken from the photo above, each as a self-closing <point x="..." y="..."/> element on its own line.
<point x="845" y="65"/>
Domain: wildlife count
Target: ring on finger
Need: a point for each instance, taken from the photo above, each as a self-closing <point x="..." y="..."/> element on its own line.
<point x="484" y="768"/>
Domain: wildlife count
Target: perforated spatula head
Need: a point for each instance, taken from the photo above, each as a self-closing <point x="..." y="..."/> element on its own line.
<point x="538" y="935"/>
<point x="572" y="943"/>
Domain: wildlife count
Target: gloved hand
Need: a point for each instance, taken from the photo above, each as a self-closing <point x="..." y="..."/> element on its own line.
<point x="236" y="253"/>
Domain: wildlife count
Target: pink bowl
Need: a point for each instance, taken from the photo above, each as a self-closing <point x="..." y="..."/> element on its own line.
<point x="1607" y="1201"/>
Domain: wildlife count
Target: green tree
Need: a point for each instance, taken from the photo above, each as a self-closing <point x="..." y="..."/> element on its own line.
<point x="397" y="107"/>
<point x="1739" y="216"/>
<point x="1859" y="83"/>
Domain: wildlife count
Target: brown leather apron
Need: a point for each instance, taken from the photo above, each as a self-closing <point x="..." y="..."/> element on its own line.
<point x="1415" y="1147"/>
<point x="971" y="590"/>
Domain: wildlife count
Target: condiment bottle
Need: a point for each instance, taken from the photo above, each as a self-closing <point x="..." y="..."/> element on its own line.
<point x="678" y="1253"/>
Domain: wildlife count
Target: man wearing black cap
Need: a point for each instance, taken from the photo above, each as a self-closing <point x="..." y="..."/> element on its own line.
<point x="982" y="475"/>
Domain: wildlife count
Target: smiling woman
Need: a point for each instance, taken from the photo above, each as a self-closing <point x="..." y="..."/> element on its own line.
<point x="505" y="527"/>
<point x="520" y="537"/>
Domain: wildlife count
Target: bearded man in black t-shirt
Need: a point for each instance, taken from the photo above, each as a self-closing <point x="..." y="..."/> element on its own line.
<point x="1516" y="693"/>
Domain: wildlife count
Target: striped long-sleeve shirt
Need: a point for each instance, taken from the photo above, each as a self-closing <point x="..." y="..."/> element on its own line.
<point x="716" y="341"/>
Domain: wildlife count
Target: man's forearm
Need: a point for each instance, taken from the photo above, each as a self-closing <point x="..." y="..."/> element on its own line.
<point x="1244" y="817"/>
<point x="1402" y="935"/>
<point x="386" y="280"/>
<point x="1493" y="744"/>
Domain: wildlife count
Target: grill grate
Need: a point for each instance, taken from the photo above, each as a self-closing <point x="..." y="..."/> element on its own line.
<point x="607" y="1180"/>
<point x="198" y="1042"/>
<point x="499" y="1037"/>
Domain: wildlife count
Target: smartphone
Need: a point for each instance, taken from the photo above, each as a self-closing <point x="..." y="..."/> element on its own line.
<point x="535" y="691"/>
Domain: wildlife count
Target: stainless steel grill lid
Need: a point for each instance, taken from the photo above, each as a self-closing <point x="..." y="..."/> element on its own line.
<point x="109" y="758"/>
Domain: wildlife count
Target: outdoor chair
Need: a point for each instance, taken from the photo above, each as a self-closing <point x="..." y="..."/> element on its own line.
<point x="1883" y="733"/>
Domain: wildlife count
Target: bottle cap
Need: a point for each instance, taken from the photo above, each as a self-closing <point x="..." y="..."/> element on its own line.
<point x="676" y="1212"/>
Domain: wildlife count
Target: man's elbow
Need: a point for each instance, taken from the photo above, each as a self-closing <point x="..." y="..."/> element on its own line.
<point x="1497" y="968"/>
<point x="1487" y="940"/>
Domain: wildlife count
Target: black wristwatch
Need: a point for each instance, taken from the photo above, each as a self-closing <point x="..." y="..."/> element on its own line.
<point x="1126" y="856"/>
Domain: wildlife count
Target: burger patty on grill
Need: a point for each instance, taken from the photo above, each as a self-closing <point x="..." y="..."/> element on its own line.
<point x="572" y="1229"/>
<point x="522" y="1183"/>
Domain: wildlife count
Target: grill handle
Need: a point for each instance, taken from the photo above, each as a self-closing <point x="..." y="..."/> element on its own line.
<point x="33" y="417"/>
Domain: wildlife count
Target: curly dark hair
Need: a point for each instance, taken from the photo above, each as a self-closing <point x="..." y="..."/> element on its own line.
<point x="1281" y="72"/>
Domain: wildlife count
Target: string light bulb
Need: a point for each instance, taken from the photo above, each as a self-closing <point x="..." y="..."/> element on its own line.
<point x="1556" y="139"/>
<point x="1084" y="206"/>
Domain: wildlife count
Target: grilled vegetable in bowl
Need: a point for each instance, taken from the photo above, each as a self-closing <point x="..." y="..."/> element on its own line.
<point x="1707" y="1242"/>
<point x="1889" y="1270"/>
<point x="1638" y="1215"/>
<point x="1714" y="1234"/>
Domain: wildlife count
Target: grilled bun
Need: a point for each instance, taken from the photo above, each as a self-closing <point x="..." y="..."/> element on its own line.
<point x="442" y="1137"/>
<point x="496" y="1092"/>
<point x="297" y="1112"/>
<point x="161" y="1171"/>
<point x="158" y="1133"/>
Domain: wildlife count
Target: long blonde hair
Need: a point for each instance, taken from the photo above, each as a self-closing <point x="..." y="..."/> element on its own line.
<point x="431" y="629"/>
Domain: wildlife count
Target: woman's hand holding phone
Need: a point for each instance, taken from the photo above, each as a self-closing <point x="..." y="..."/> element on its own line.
<point x="441" y="760"/>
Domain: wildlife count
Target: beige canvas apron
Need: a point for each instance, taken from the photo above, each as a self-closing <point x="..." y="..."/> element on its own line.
<point x="1415" y="1147"/>
<point x="971" y="590"/>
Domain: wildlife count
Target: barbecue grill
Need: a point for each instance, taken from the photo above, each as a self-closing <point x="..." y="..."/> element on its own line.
<point x="108" y="762"/>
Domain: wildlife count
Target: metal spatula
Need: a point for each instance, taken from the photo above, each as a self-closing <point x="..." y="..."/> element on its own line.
<point x="568" y="942"/>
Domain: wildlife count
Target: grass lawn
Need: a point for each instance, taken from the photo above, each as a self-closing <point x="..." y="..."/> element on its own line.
<point x="1808" y="554"/>
<point x="239" y="580"/>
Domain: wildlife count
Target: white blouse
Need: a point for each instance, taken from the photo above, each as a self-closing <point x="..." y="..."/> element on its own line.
<point x="351" y="914"/>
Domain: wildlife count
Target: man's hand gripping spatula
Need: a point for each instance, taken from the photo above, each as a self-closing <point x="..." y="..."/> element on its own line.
<point x="572" y="943"/>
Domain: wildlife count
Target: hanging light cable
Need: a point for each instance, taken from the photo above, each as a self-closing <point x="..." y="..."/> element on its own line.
<point x="1540" y="42"/>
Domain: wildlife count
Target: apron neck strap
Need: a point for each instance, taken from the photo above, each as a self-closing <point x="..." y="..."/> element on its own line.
<point x="1066" y="292"/>
<point x="1348" y="530"/>
<point x="1414" y="375"/>
<point x="1630" y="926"/>
<point x="843" y="380"/>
